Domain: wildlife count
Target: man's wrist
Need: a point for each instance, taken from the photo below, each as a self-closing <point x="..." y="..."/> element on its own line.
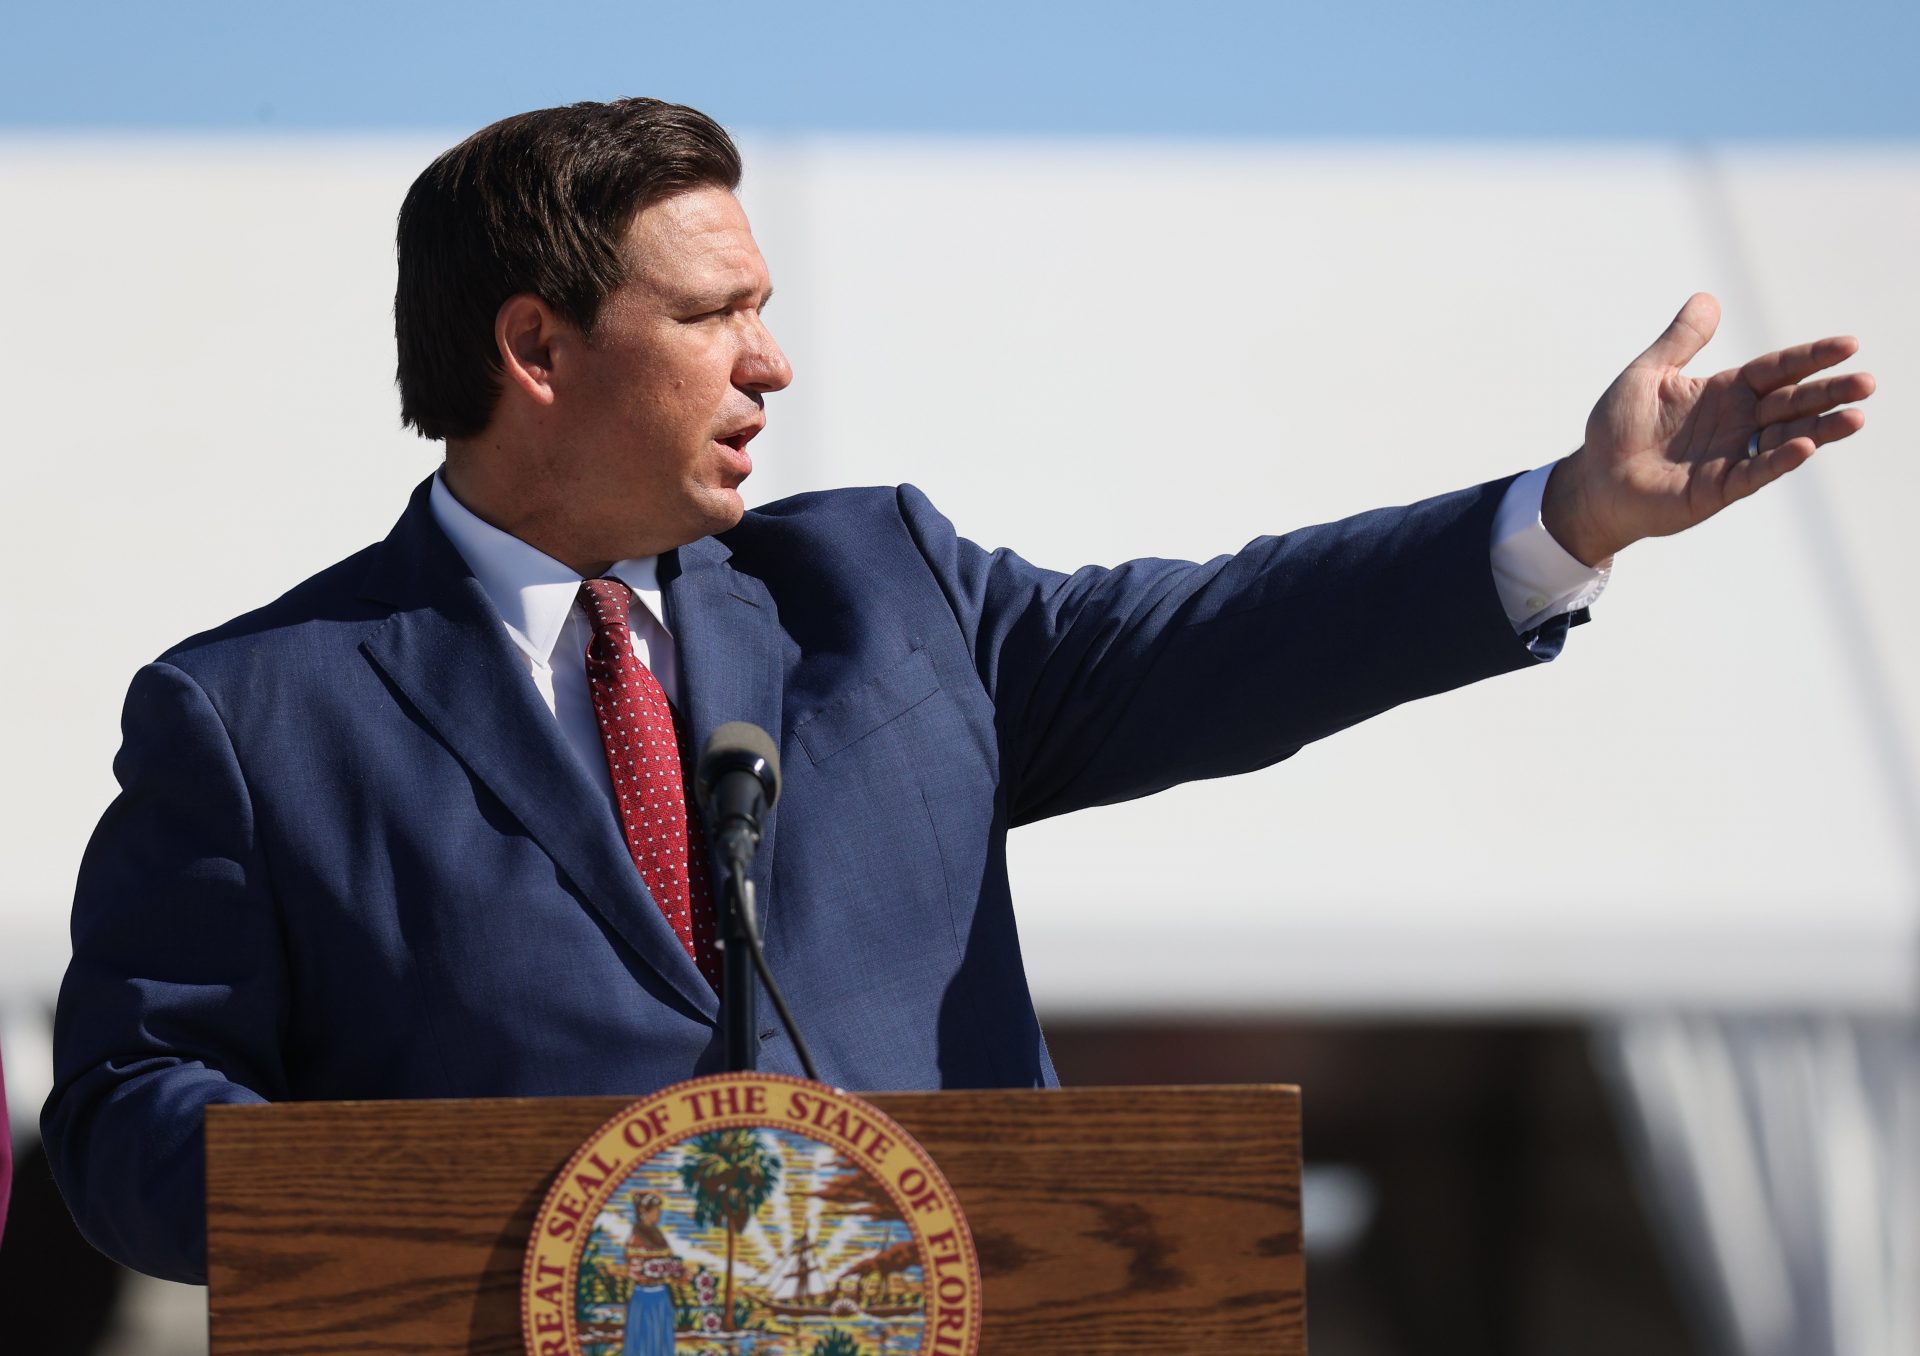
<point x="1566" y="514"/>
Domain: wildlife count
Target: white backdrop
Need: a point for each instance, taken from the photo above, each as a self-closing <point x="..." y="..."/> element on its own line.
<point x="1090" y="351"/>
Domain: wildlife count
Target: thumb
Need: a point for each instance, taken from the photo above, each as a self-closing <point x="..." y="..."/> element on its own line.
<point x="1688" y="333"/>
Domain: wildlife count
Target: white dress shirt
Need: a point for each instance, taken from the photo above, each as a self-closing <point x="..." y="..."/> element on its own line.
<point x="535" y="596"/>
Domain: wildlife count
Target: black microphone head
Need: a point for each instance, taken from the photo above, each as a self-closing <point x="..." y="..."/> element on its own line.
<point x="739" y="746"/>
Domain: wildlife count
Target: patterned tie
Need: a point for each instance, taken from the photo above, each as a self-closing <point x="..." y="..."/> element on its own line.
<point x="647" y="758"/>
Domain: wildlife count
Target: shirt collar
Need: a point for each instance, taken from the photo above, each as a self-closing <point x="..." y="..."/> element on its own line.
<point x="533" y="593"/>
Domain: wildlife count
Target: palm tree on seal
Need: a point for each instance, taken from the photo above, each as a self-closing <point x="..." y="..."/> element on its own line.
<point x="730" y="1174"/>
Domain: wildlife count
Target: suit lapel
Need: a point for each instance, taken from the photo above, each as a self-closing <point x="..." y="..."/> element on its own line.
<point x="446" y="650"/>
<point x="727" y="632"/>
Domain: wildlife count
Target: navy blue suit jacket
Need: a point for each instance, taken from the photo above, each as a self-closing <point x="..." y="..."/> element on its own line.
<point x="354" y="857"/>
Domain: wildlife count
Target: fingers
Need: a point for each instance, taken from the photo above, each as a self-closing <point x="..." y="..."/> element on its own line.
<point x="1773" y="370"/>
<point x="1813" y="397"/>
<point x="1688" y="333"/>
<point x="1747" y="476"/>
<point x="1814" y="430"/>
<point x="1783" y="447"/>
<point x="1827" y="428"/>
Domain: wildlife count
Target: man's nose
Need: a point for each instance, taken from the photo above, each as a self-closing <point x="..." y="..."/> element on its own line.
<point x="763" y="367"/>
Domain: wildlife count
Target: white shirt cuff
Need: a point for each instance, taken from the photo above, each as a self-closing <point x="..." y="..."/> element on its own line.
<point x="1537" y="580"/>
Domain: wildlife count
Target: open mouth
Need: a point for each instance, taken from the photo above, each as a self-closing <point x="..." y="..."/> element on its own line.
<point x="740" y="437"/>
<point x="740" y="465"/>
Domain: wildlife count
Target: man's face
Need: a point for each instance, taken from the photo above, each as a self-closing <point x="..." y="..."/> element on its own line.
<point x="668" y="390"/>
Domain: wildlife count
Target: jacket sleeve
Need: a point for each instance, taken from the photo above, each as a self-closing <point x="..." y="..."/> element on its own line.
<point x="176" y="994"/>
<point x="1113" y="683"/>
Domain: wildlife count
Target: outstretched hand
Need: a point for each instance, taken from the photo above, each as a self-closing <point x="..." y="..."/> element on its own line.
<point x="1665" y="451"/>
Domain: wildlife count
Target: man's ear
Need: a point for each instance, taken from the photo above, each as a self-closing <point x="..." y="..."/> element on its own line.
<point x="524" y="330"/>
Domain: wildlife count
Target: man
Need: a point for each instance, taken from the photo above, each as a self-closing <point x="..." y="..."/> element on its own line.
<point x="419" y="827"/>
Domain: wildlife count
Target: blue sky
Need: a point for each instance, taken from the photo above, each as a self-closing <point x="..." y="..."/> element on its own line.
<point x="1678" y="70"/>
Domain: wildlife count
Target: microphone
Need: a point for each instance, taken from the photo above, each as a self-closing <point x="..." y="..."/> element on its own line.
<point x="737" y="782"/>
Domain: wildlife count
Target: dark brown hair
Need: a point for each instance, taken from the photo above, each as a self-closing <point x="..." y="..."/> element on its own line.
<point x="537" y="203"/>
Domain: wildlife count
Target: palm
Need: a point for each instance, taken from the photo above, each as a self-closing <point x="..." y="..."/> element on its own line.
<point x="1665" y="451"/>
<point x="1674" y="440"/>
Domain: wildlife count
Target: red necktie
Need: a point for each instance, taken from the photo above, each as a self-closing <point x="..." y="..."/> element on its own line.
<point x="645" y="756"/>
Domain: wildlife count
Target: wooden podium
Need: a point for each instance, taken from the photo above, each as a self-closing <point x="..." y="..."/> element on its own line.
<point x="1107" y="1220"/>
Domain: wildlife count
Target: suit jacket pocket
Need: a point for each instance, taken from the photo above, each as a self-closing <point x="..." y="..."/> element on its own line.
<point x="858" y="713"/>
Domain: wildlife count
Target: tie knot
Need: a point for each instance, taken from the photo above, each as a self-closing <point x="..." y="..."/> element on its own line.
<point x="607" y="603"/>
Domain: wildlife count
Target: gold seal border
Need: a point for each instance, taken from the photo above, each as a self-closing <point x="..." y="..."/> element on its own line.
<point x="974" y="1308"/>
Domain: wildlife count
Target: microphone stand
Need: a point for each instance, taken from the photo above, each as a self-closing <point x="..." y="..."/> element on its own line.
<point x="739" y="941"/>
<point x="742" y="959"/>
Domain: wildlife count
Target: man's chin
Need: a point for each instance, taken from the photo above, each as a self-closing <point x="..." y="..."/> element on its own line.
<point x="716" y="511"/>
<point x="732" y="507"/>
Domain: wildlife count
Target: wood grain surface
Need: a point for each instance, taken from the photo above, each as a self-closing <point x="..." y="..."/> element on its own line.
<point x="1107" y="1220"/>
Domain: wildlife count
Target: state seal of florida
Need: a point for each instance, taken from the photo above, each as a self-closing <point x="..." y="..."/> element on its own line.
<point x="750" y="1214"/>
